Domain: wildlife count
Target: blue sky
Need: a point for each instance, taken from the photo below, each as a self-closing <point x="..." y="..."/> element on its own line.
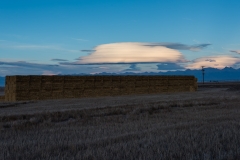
<point x="92" y="36"/>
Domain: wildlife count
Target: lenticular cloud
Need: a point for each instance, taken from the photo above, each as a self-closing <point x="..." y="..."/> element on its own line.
<point x="218" y="62"/>
<point x="131" y="53"/>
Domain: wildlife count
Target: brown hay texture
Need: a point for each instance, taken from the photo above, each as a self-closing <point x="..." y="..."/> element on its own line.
<point x="21" y="88"/>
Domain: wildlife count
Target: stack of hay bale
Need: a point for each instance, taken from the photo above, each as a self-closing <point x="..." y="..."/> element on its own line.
<point x="2" y="98"/>
<point x="19" y="88"/>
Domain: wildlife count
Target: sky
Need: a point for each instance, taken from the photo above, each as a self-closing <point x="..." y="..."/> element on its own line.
<point x="48" y="37"/>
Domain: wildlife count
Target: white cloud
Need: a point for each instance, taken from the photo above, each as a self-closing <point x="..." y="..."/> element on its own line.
<point x="235" y="51"/>
<point x="36" y="47"/>
<point x="130" y="52"/>
<point x="218" y="62"/>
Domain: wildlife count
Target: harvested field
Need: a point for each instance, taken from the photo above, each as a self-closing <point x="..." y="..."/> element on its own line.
<point x="190" y="125"/>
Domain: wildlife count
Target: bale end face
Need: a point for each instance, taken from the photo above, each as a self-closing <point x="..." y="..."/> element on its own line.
<point x="2" y="98"/>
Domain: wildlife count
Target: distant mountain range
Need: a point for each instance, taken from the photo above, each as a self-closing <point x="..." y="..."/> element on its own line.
<point x="211" y="74"/>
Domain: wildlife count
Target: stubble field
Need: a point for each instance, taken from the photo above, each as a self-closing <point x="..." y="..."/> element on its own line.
<point x="194" y="125"/>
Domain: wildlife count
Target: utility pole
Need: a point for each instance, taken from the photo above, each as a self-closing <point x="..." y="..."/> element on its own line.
<point x="203" y="73"/>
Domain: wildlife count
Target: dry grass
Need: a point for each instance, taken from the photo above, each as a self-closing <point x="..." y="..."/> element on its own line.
<point x="199" y="125"/>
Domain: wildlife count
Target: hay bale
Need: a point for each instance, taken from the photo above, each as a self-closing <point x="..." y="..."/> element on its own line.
<point x="98" y="78"/>
<point x="107" y="78"/>
<point x="35" y="79"/>
<point x="21" y="94"/>
<point x="46" y="86"/>
<point x="57" y="86"/>
<point x="35" y="86"/>
<point x="47" y="79"/>
<point x="2" y="98"/>
<point x="21" y="78"/>
<point x="98" y="84"/>
<point x="107" y="84"/>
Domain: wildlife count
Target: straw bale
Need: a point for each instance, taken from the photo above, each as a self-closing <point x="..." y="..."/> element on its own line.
<point x="67" y="92"/>
<point x="46" y="90"/>
<point x="98" y="88"/>
<point x="98" y="78"/>
<point x="130" y="78"/>
<point x="12" y="99"/>
<point x="57" y="78"/>
<point x="104" y="92"/>
<point x="80" y="82"/>
<point x="98" y="84"/>
<point x="145" y="78"/>
<point x="17" y="87"/>
<point x="161" y="82"/>
<point x="69" y="87"/>
<point x="57" y="93"/>
<point x="46" y="78"/>
<point x="34" y="93"/>
<point x="154" y="76"/>
<point x="78" y="86"/>
<point x="85" y="77"/>
<point x="21" y="94"/>
<point x="89" y="93"/>
<point x="57" y="86"/>
<point x="21" y="78"/>
<point x="127" y="91"/>
<point x="2" y="97"/>
<point x="107" y="78"/>
<point x="152" y="84"/>
<point x="68" y="77"/>
<point x="45" y="95"/>
<point x="89" y="85"/>
<point x="36" y="86"/>
<point x="33" y="97"/>
<point x="153" y="90"/>
<point x="46" y="86"/>
<point x="138" y="85"/>
<point x="57" y="97"/>
<point x="141" y="90"/>
<point x="128" y="83"/>
<point x="57" y="90"/>
<point x="116" y="78"/>
<point x="161" y="88"/>
<point x="35" y="79"/>
<point x="58" y="81"/>
<point x="116" y="91"/>
<point x="11" y="78"/>
<point x="34" y="90"/>
<point x="78" y="93"/>
<point x="89" y="79"/>
<point x="73" y="78"/>
<point x="191" y="89"/>
<point x="145" y="81"/>
<point x="116" y="83"/>
<point x="107" y="84"/>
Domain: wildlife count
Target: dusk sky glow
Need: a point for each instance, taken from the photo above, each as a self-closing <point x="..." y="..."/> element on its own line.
<point x="93" y="36"/>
